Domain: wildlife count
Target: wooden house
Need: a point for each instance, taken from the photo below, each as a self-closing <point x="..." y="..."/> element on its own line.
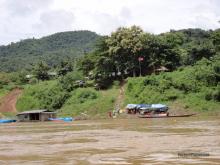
<point x="36" y="115"/>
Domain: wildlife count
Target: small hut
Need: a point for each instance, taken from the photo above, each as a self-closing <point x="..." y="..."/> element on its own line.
<point x="36" y="115"/>
<point x="161" y="69"/>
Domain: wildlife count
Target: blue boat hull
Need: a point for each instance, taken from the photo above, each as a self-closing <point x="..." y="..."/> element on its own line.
<point x="61" y="119"/>
<point x="7" y="121"/>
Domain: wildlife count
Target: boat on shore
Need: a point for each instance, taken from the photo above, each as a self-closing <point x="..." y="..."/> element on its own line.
<point x="66" y="119"/>
<point x="164" y="116"/>
<point x="7" y="121"/>
<point x="152" y="111"/>
<point x="146" y="108"/>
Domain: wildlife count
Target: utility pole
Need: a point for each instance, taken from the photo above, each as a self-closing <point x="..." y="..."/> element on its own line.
<point x="140" y="59"/>
<point x="140" y="67"/>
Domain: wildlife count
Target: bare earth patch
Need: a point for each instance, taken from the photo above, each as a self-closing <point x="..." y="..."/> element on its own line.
<point x="8" y="103"/>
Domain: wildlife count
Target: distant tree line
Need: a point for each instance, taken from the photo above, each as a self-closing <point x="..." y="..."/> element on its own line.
<point x="51" y="49"/>
<point x="127" y="52"/>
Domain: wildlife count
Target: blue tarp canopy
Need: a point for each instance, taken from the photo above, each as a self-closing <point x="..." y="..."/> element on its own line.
<point x="131" y="106"/>
<point x="143" y="106"/>
<point x="159" y="107"/>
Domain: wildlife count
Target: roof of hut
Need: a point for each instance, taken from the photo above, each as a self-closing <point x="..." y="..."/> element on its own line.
<point x="36" y="111"/>
<point x="162" y="68"/>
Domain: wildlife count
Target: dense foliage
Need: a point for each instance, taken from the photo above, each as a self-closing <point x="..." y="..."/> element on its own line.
<point x="43" y="95"/>
<point x="192" y="57"/>
<point x="129" y="52"/>
<point x="12" y="80"/>
<point x="51" y="95"/>
<point x="51" y="49"/>
<point x="197" y="87"/>
<point x="90" y="102"/>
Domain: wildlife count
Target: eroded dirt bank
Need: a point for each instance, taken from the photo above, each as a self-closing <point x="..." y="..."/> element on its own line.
<point x="8" y="103"/>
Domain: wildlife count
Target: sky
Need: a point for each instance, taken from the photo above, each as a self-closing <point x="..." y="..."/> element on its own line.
<point x="21" y="19"/>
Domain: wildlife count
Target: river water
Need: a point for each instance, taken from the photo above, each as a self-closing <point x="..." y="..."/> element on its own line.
<point x="190" y="140"/>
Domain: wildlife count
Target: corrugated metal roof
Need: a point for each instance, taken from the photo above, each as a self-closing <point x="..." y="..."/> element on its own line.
<point x="35" y="111"/>
<point x="162" y="68"/>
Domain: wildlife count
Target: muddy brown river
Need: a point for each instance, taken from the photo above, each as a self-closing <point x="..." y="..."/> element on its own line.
<point x="170" y="141"/>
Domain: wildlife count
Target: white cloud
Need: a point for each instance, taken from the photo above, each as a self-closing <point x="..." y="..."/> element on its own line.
<point x="54" y="21"/>
<point x="22" y="19"/>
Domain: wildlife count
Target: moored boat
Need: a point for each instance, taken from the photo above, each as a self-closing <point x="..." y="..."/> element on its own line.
<point x="61" y="119"/>
<point x="7" y="120"/>
<point x="164" y="116"/>
<point x="152" y="111"/>
<point x="146" y="108"/>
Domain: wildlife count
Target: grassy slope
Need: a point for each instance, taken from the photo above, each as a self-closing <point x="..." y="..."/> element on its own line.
<point x="82" y="100"/>
<point x="175" y="98"/>
<point x="31" y="96"/>
<point x="3" y="92"/>
<point x="194" y="88"/>
<point x="179" y="89"/>
<point x="96" y="105"/>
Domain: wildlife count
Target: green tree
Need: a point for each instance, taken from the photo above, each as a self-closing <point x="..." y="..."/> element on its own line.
<point x="216" y="39"/>
<point x="125" y="46"/>
<point x="68" y="82"/>
<point x="87" y="63"/>
<point x="200" y="49"/>
<point x="65" y="67"/>
<point x="41" y="71"/>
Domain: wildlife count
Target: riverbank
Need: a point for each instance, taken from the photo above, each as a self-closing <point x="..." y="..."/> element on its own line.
<point x="183" y="91"/>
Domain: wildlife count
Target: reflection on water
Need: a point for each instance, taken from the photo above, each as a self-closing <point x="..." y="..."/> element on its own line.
<point x="122" y="141"/>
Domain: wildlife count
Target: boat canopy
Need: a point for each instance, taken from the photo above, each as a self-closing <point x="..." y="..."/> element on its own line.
<point x="158" y="106"/>
<point x="131" y="106"/>
<point x="148" y="107"/>
<point x="143" y="106"/>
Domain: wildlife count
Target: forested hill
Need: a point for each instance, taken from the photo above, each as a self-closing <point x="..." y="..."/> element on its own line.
<point x="51" y="49"/>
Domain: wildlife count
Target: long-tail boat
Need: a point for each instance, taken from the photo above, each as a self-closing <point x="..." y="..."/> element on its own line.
<point x="152" y="111"/>
<point x="164" y="115"/>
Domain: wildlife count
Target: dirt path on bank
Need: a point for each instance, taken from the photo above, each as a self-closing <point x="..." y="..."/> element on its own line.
<point x="8" y="103"/>
<point x="120" y="99"/>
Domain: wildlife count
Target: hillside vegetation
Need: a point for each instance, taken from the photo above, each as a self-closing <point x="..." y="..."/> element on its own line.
<point x="52" y="49"/>
<point x="79" y="102"/>
<point x="196" y="87"/>
<point x="86" y="85"/>
<point x="131" y="52"/>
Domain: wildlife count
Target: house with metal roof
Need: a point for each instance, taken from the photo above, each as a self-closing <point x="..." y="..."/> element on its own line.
<point x="36" y="115"/>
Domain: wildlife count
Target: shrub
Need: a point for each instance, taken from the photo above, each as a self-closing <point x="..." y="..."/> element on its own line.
<point x="195" y="86"/>
<point x="47" y="95"/>
<point x="116" y="84"/>
<point x="216" y="94"/>
<point x="68" y="82"/>
<point x="84" y="95"/>
<point x="172" y="94"/>
<point x="33" y="81"/>
<point x="208" y="95"/>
